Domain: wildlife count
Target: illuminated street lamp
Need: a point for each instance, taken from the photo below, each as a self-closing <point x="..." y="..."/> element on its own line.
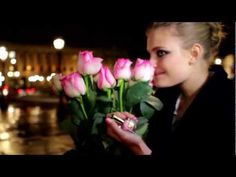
<point x="3" y="53"/>
<point x="3" y="58"/>
<point x="59" y="44"/>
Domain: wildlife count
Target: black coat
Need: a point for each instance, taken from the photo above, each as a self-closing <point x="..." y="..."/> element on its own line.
<point x="206" y="128"/>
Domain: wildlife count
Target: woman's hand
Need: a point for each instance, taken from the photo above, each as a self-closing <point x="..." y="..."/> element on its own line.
<point x="134" y="142"/>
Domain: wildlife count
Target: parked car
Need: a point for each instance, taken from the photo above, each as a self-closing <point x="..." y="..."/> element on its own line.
<point x="9" y="93"/>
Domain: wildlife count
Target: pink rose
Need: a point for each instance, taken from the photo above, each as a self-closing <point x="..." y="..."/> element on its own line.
<point x="143" y="70"/>
<point x="122" y="69"/>
<point x="73" y="85"/>
<point x="105" y="78"/>
<point x="87" y="64"/>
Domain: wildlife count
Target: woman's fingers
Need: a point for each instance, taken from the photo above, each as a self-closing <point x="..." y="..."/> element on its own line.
<point x="114" y="129"/>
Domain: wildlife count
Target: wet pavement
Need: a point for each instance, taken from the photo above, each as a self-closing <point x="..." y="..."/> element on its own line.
<point x="31" y="129"/>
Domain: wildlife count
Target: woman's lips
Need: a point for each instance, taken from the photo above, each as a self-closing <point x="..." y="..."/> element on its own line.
<point x="159" y="73"/>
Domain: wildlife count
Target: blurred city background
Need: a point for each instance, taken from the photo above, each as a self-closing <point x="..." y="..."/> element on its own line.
<point x="31" y="54"/>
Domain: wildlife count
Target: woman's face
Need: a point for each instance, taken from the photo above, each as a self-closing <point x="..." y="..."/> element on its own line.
<point x="170" y="60"/>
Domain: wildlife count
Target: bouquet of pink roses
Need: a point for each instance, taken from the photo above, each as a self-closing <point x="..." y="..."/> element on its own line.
<point x="94" y="91"/>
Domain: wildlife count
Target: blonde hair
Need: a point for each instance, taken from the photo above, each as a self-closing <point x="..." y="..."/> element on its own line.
<point x="208" y="34"/>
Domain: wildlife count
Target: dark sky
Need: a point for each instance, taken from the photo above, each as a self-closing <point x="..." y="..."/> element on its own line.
<point x="81" y="34"/>
<point x="121" y="34"/>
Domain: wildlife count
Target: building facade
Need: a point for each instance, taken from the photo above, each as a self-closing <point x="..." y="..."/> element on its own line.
<point x="27" y="61"/>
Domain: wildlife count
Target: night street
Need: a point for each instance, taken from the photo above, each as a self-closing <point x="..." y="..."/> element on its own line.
<point x="63" y="75"/>
<point x="27" y="129"/>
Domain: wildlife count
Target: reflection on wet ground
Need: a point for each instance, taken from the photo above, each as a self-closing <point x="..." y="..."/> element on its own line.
<point x="27" y="130"/>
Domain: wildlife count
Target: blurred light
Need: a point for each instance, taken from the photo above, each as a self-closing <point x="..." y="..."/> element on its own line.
<point x="13" y="115"/>
<point x="2" y="78"/>
<point x="218" y="61"/>
<point x="3" y="53"/>
<point x="35" y="111"/>
<point x="6" y="87"/>
<point x="58" y="43"/>
<point x="5" y="92"/>
<point x="4" y="136"/>
<point x="36" y="78"/>
<point x="3" y="48"/>
<point x="48" y="78"/>
<point x="28" y="67"/>
<point x="11" y="68"/>
<point x="10" y="74"/>
<point x="32" y="79"/>
<point x="17" y="73"/>
<point x="13" y="61"/>
<point x="12" y="54"/>
<point x="10" y="109"/>
<point x="19" y="91"/>
<point x="41" y="78"/>
<point x="28" y="91"/>
<point x="33" y="90"/>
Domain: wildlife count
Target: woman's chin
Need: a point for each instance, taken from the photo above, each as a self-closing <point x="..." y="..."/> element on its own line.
<point x="160" y="84"/>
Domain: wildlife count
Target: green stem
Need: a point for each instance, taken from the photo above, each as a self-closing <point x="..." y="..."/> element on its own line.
<point x="91" y="81"/>
<point x="109" y="93"/>
<point x="80" y="99"/>
<point x="109" y="96"/>
<point x="131" y="109"/>
<point x="113" y="100"/>
<point x="121" y="90"/>
<point x="86" y="79"/>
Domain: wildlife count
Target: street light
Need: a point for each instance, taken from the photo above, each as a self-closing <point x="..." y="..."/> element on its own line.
<point x="59" y="44"/>
<point x="3" y="58"/>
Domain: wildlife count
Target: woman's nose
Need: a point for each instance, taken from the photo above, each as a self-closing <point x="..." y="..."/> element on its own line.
<point x="153" y="61"/>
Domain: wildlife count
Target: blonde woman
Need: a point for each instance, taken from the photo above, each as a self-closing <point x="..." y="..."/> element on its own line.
<point x="198" y="115"/>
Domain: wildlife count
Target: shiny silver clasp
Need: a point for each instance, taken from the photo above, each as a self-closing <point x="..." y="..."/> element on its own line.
<point x="127" y="124"/>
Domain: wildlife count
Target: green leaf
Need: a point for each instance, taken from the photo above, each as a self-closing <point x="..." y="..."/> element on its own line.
<point x="154" y="102"/>
<point x="142" y="131"/>
<point x="104" y="104"/>
<point x="104" y="99"/>
<point x="115" y="100"/>
<point x="90" y="96"/>
<point x="69" y="127"/>
<point x="142" y="126"/>
<point x="107" y="141"/>
<point x="146" y="110"/>
<point x="136" y="93"/>
<point x="76" y="111"/>
<point x="98" y="126"/>
<point x="141" y="122"/>
<point x="90" y="101"/>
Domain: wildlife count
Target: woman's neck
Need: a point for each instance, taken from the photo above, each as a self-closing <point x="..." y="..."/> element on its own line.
<point x="191" y="86"/>
<point x="189" y="91"/>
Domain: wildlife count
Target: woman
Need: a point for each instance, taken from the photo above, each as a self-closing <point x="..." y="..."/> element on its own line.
<point x="198" y="114"/>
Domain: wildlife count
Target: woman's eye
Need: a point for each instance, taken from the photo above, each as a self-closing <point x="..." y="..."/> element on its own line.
<point x="161" y="53"/>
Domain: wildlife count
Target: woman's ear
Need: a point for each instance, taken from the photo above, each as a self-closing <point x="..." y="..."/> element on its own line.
<point x="196" y="53"/>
